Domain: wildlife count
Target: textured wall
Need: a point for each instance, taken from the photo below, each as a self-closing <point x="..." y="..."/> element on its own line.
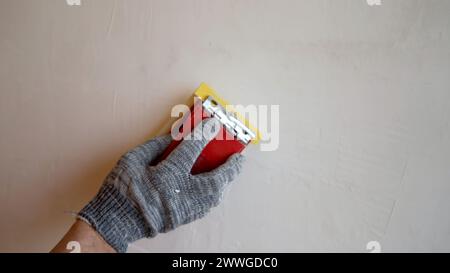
<point x="364" y="116"/>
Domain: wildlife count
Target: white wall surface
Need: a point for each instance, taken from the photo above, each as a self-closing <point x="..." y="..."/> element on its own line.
<point x="364" y="95"/>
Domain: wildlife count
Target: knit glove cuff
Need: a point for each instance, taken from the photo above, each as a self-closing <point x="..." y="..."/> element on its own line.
<point x="115" y="218"/>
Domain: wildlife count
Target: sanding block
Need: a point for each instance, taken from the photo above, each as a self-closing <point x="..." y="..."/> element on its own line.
<point x="235" y="134"/>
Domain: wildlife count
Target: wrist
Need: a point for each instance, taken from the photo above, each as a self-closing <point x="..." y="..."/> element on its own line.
<point x="82" y="238"/>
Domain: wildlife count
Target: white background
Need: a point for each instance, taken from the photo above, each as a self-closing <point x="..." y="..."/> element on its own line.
<point x="364" y="116"/>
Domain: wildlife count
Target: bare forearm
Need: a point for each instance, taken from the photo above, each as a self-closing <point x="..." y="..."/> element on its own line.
<point x="88" y="239"/>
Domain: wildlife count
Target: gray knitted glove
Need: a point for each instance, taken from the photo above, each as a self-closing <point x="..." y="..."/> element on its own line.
<point x="137" y="200"/>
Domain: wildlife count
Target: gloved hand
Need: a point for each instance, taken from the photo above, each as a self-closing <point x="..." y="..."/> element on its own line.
<point x="137" y="200"/>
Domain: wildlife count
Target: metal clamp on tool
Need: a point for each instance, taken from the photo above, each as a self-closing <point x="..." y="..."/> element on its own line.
<point x="229" y="120"/>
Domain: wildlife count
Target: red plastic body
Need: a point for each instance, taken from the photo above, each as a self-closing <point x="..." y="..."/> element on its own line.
<point x="218" y="149"/>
